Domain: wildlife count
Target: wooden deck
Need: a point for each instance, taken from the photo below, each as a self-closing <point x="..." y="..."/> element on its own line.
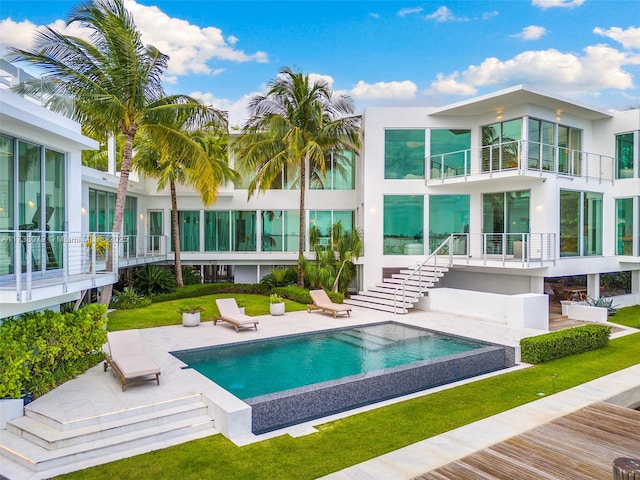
<point x="581" y="445"/>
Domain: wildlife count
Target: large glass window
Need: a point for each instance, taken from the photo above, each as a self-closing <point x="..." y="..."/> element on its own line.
<point x="501" y="145"/>
<point x="244" y="231"/>
<point x="404" y="154"/>
<point x="403" y="225"/>
<point x="6" y="204"/>
<point x="580" y="223"/>
<point x="280" y="230"/>
<point x="624" y="155"/>
<point x="569" y="150"/>
<point x="339" y="172"/>
<point x="541" y="144"/>
<point x="217" y="229"/>
<point x="448" y="214"/>
<point x="323" y="220"/>
<point x="130" y="224"/>
<point x="624" y="226"/>
<point x="55" y="206"/>
<point x="155" y="230"/>
<point x="505" y="217"/>
<point x="189" y="231"/>
<point x="30" y="213"/>
<point x="449" y="153"/>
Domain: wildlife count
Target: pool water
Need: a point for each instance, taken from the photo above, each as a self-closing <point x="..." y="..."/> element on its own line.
<point x="263" y="367"/>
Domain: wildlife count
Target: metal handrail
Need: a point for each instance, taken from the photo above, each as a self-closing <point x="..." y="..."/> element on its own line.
<point x="448" y="242"/>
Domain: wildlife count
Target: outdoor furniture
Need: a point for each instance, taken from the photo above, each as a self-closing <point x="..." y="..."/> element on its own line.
<point x="321" y="301"/>
<point x="579" y="292"/>
<point x="230" y="313"/>
<point x="128" y="360"/>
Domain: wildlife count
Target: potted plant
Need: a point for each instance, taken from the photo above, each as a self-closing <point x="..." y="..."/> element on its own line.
<point x="102" y="246"/>
<point x="191" y="315"/>
<point x="276" y="304"/>
<point x="241" y="307"/>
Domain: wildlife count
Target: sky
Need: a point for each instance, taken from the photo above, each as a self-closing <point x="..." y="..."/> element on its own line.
<point x="395" y="52"/>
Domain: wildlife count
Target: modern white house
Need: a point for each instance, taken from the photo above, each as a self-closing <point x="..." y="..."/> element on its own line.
<point x="515" y="193"/>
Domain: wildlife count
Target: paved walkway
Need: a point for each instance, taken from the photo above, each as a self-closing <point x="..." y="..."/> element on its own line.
<point x="96" y="393"/>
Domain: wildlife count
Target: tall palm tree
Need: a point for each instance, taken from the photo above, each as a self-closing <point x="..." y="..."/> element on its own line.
<point x="291" y="128"/>
<point x="113" y="79"/>
<point x="172" y="159"/>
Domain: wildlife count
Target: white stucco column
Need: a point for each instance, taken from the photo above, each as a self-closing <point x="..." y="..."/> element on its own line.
<point x="593" y="285"/>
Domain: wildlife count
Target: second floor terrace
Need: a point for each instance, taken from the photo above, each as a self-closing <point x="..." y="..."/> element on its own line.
<point x="519" y="157"/>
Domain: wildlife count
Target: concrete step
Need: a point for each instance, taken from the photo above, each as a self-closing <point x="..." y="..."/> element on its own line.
<point x="376" y="306"/>
<point x="412" y="297"/>
<point x="372" y="298"/>
<point x="390" y="287"/>
<point x="426" y="282"/>
<point x="39" y="446"/>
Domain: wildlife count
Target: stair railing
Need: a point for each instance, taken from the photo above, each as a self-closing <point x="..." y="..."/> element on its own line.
<point x="439" y="251"/>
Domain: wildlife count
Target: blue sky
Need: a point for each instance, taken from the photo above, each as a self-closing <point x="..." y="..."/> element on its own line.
<point x="379" y="52"/>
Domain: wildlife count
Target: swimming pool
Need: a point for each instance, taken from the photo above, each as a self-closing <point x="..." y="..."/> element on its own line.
<point x="295" y="378"/>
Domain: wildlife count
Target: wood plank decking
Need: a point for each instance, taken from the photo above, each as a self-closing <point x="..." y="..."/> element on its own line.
<point x="581" y="445"/>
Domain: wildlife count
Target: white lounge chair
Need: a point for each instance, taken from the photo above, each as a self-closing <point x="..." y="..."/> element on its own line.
<point x="230" y="313"/>
<point x="321" y="301"/>
<point x="128" y="360"/>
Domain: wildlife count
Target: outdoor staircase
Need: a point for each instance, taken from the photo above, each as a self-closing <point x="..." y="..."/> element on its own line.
<point x="40" y="443"/>
<point x="400" y="292"/>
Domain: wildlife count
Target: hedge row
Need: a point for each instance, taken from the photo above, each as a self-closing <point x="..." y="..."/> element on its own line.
<point x="549" y="346"/>
<point x="201" y="290"/>
<point x="301" y="295"/>
<point x="41" y="350"/>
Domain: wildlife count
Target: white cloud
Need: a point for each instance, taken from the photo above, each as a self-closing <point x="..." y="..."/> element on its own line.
<point x="237" y="109"/>
<point x="444" y="14"/>
<point x="374" y="15"/>
<point x="403" y="90"/>
<point x="317" y="77"/>
<point x="600" y="67"/>
<point x="409" y="11"/>
<point x="532" y="32"/>
<point x="629" y="38"/>
<point x="489" y="15"/>
<point x="189" y="47"/>
<point x="556" y="3"/>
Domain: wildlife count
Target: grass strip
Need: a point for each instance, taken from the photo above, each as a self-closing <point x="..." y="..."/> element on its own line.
<point x="357" y="438"/>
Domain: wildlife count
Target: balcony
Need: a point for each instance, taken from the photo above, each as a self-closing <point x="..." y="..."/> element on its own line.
<point x="51" y="264"/>
<point x="518" y="158"/>
<point x="512" y="250"/>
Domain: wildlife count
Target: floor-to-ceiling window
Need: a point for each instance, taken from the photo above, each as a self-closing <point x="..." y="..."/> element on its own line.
<point x="624" y="155"/>
<point x="501" y="145"/>
<point x="404" y="153"/>
<point x="449" y="153"/>
<point x="7" y="208"/>
<point x="130" y="225"/>
<point x="243" y="231"/>
<point x="403" y="229"/>
<point x="339" y="172"/>
<point x="448" y="214"/>
<point x="323" y="221"/>
<point x="540" y="151"/>
<point x="505" y="218"/>
<point x="217" y="228"/>
<point x="280" y="230"/>
<point x="580" y="223"/>
<point x="155" y="230"/>
<point x="569" y="150"/>
<point x="54" y="188"/>
<point x="189" y="231"/>
<point x="624" y="226"/>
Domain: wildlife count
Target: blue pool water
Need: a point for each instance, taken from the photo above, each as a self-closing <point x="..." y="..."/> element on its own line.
<point x="263" y="367"/>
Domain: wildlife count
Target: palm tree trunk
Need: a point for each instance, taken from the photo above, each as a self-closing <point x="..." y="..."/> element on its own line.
<point x="303" y="170"/>
<point x="125" y="168"/>
<point x="176" y="234"/>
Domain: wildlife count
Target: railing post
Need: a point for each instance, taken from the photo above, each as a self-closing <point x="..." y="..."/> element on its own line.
<point x="17" y="263"/>
<point x="65" y="261"/>
<point x="29" y="269"/>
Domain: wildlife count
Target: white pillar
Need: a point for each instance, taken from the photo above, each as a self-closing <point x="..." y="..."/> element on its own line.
<point x="593" y="285"/>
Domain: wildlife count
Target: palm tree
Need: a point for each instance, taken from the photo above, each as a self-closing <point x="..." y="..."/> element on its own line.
<point x="114" y="81"/>
<point x="295" y="126"/>
<point x="173" y="159"/>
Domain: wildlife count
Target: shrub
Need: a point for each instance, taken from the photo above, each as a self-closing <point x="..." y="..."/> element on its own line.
<point x="603" y="303"/>
<point x="279" y="277"/>
<point x="152" y="279"/>
<point x="129" y="299"/>
<point x="191" y="276"/>
<point x="43" y="349"/>
<point x="301" y="295"/>
<point x="191" y="309"/>
<point x="543" y="348"/>
<point x="191" y="291"/>
<point x="275" y="298"/>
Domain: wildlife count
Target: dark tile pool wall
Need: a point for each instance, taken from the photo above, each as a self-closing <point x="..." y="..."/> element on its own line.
<point x="278" y="410"/>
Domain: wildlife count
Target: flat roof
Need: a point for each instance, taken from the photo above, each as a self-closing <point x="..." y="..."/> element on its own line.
<point x="519" y="95"/>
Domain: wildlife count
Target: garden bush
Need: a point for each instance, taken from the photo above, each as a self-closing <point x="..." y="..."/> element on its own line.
<point x="201" y="290"/>
<point x="129" y="299"/>
<point x="153" y="279"/>
<point x="41" y="350"/>
<point x="190" y="276"/>
<point x="543" y="348"/>
<point x="301" y="295"/>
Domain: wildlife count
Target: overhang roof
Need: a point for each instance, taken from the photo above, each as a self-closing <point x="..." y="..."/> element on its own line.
<point x="519" y="95"/>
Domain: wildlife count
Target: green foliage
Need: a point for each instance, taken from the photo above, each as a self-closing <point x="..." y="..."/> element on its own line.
<point x="129" y="299"/>
<point x="152" y="279"/>
<point x="40" y="350"/>
<point x="191" y="276"/>
<point x="275" y="298"/>
<point x="603" y="302"/>
<point x="279" y="277"/>
<point x="201" y="290"/>
<point x="301" y="295"/>
<point x="543" y="348"/>
<point x="191" y="309"/>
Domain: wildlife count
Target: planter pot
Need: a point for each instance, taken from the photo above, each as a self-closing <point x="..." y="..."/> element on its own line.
<point x="10" y="408"/>
<point x="191" y="319"/>
<point x="276" y="308"/>
<point x="565" y="306"/>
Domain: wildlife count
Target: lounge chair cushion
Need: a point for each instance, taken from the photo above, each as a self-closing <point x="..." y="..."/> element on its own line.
<point x="321" y="301"/>
<point x="230" y="313"/>
<point x="128" y="360"/>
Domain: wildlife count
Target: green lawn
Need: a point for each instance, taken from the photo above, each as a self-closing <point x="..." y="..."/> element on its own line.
<point x="357" y="438"/>
<point x="166" y="313"/>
